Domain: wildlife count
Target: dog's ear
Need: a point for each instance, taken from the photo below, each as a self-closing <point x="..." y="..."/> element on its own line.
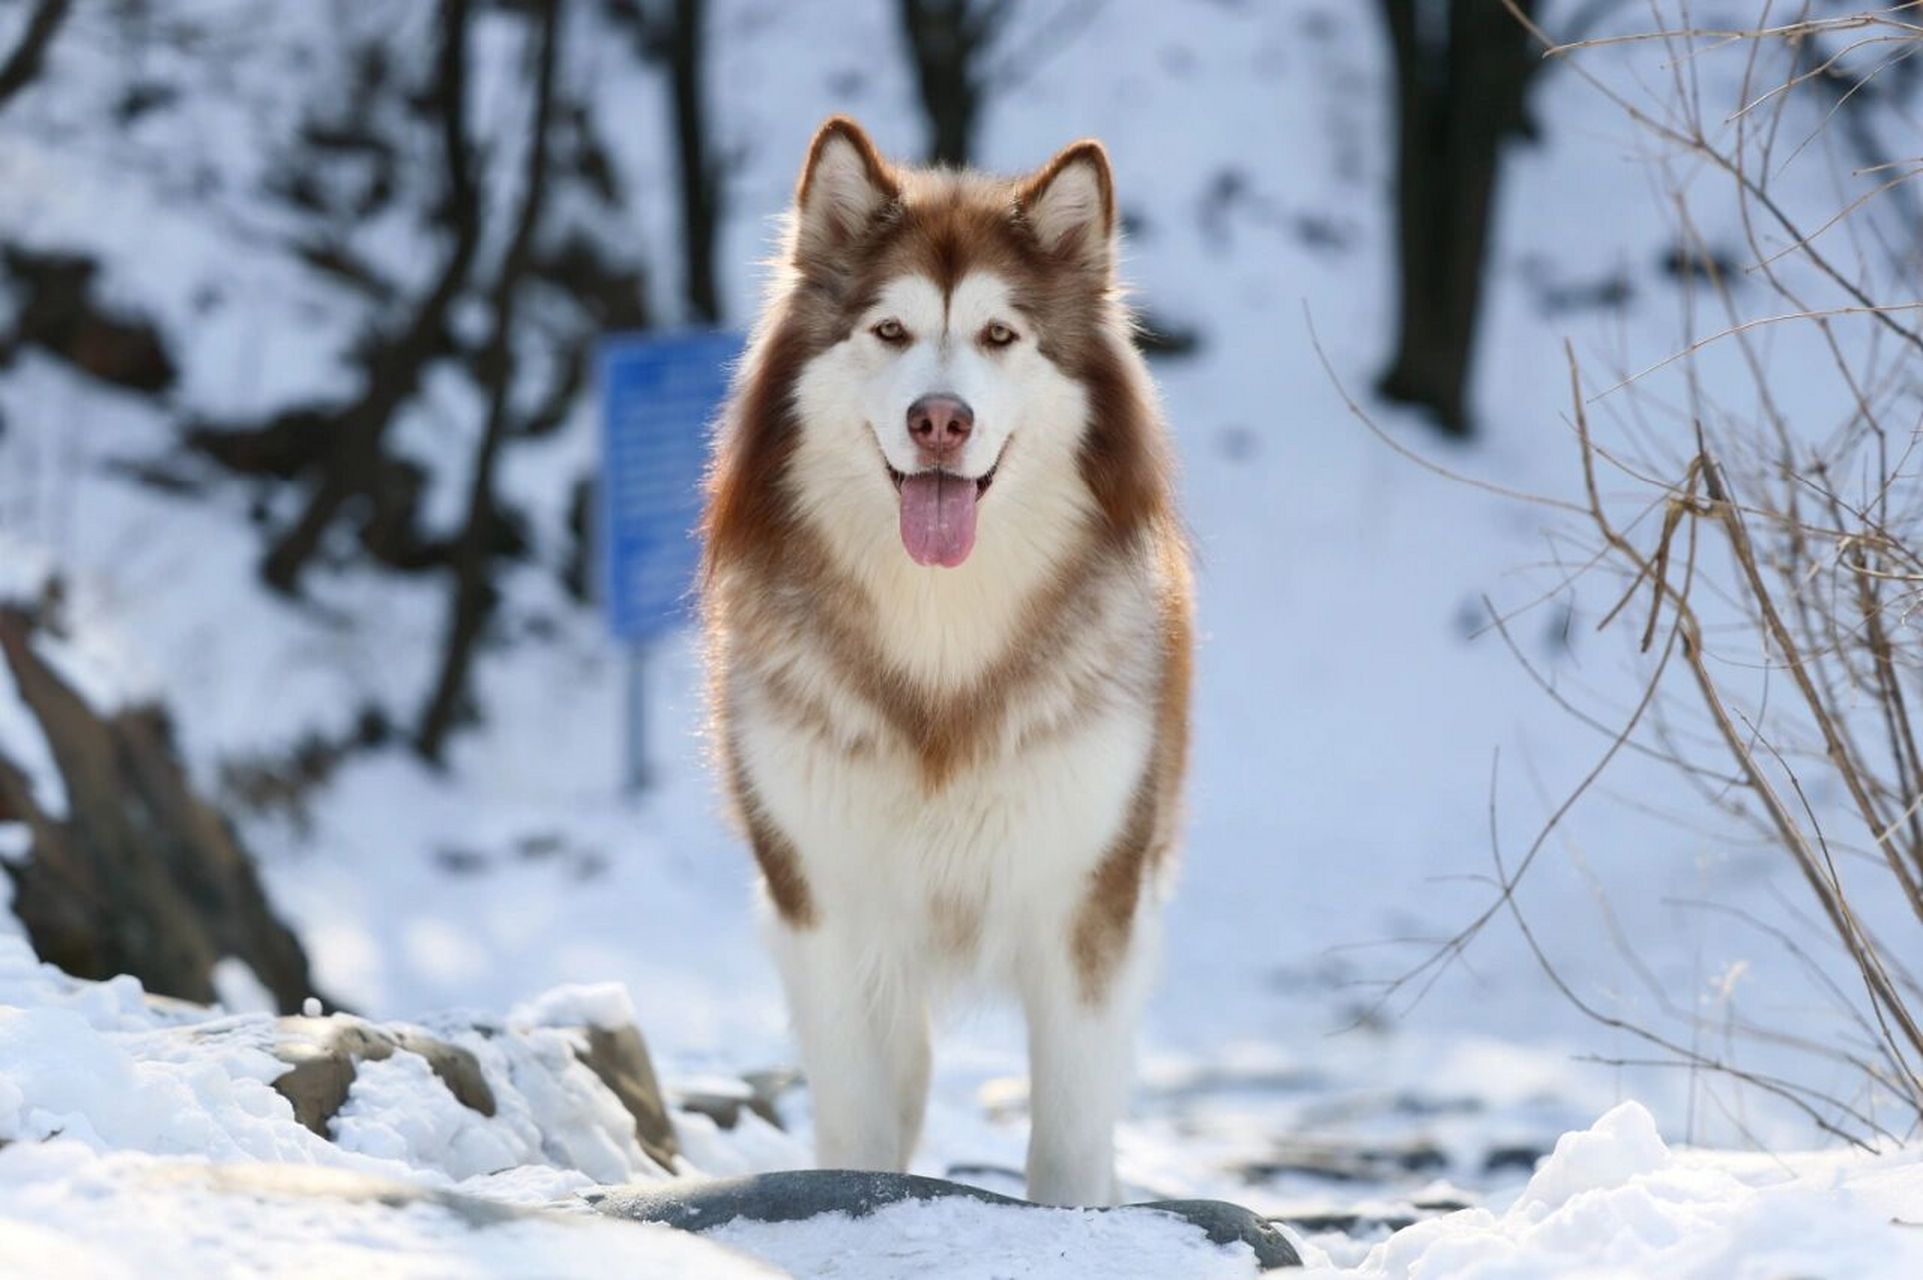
<point x="1070" y="204"/>
<point x="843" y="185"/>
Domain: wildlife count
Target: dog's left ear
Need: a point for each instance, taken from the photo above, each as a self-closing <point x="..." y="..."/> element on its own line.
<point x="1070" y="204"/>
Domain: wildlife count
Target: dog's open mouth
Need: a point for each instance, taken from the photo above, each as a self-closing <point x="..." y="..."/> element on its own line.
<point x="938" y="513"/>
<point x="981" y="482"/>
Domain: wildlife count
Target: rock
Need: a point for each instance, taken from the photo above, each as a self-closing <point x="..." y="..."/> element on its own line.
<point x="317" y="1084"/>
<point x="756" y="1092"/>
<point x="1226" y="1223"/>
<point x="321" y="1053"/>
<point x="620" y="1058"/>
<point x="1517" y="1157"/>
<point x="808" y="1193"/>
<point x="140" y="874"/>
<point x="1344" y="1162"/>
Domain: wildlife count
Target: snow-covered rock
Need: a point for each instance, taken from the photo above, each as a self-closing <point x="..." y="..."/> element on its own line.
<point x="148" y="1137"/>
<point x="107" y="1065"/>
<point x="154" y="1137"/>
<point x="1615" y="1201"/>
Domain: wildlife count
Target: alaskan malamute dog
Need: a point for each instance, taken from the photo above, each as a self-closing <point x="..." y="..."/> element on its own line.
<point x="948" y="615"/>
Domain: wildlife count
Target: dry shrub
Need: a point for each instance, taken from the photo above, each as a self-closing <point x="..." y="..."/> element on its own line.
<point x="1750" y="519"/>
<point x="1758" y="505"/>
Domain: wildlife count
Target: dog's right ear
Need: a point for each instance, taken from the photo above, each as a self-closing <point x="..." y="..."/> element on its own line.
<point x="843" y="186"/>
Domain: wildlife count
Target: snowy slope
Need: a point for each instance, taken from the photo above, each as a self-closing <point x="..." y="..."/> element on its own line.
<point x="1348" y="719"/>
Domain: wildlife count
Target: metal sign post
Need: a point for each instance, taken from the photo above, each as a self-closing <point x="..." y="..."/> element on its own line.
<point x="659" y="393"/>
<point x="637" y="773"/>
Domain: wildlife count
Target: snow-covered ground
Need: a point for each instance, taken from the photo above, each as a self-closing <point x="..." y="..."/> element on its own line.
<point x="135" y="1149"/>
<point x="1348" y="727"/>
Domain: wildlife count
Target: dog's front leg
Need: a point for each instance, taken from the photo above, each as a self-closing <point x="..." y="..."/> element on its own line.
<point x="863" y="1028"/>
<point x="1081" y="1049"/>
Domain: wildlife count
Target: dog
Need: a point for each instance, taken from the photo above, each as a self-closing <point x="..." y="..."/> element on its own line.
<point x="948" y="619"/>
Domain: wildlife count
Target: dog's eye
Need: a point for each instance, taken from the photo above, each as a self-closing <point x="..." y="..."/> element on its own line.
<point x="998" y="335"/>
<point x="891" y="332"/>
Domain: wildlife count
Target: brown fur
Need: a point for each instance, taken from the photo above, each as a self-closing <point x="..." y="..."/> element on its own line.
<point x="774" y="853"/>
<point x="782" y="581"/>
<point x="1102" y="924"/>
<point x="947" y="730"/>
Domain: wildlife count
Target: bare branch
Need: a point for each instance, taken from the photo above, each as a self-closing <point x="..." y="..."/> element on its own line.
<point x="22" y="66"/>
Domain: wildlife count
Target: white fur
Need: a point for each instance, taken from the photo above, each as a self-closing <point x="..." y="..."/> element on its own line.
<point x="841" y="193"/>
<point x="1069" y="203"/>
<point x="893" y="865"/>
<point x="1012" y="846"/>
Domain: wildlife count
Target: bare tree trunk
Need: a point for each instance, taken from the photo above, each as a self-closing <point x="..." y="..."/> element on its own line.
<point x="673" y="33"/>
<point x="947" y="40"/>
<point x="394" y="371"/>
<point x="1459" y="94"/>
<point x="474" y="593"/>
<point x="684" y="46"/>
<point x="23" y="64"/>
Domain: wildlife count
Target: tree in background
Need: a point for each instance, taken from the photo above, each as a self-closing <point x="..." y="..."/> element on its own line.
<point x="673" y="34"/>
<point x="514" y="195"/>
<point x="1461" y="68"/>
<point x="534" y="263"/>
<point x="344" y="444"/>
<point x="445" y="196"/>
<point x="948" y="41"/>
<point x="474" y="594"/>
<point x="683" y="51"/>
<point x="959" y="53"/>
<point x="19" y="67"/>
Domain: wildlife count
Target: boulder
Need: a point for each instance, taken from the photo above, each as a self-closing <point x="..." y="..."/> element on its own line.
<point x="137" y="873"/>
<point x="321" y="1053"/>
<point x="723" y="1101"/>
<point x="620" y="1058"/>
<point x="702" y="1205"/>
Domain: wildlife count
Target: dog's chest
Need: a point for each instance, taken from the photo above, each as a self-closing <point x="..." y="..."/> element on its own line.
<point x="1015" y="834"/>
<point x="1005" y="789"/>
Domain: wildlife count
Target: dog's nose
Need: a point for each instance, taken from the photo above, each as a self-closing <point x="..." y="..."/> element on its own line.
<point x="940" y="424"/>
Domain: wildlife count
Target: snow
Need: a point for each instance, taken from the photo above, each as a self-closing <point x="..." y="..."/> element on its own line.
<point x="94" y="1063"/>
<point x="125" y="1150"/>
<point x="116" y="1134"/>
<point x="1614" y="1200"/>
<point x="601" y="1004"/>
<point x="25" y="570"/>
<point x="67" y="1211"/>
<point x="957" y="1239"/>
<point x="1347" y="723"/>
<point x="97" y="664"/>
<point x="240" y="989"/>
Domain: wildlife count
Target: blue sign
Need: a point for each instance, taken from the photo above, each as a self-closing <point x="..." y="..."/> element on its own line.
<point x="659" y="396"/>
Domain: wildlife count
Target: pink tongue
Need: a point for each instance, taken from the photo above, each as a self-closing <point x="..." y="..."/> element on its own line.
<point x="938" y="518"/>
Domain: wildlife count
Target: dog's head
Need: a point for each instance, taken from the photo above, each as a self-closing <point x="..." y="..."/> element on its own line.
<point x="946" y="359"/>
